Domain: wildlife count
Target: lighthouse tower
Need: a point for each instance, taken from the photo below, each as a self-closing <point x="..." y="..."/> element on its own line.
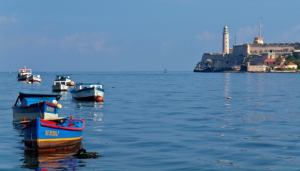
<point x="225" y="40"/>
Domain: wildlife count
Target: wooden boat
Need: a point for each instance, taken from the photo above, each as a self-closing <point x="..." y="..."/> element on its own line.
<point x="31" y="106"/>
<point x="65" y="78"/>
<point x="34" y="79"/>
<point x="60" y="86"/>
<point x="88" y="92"/>
<point x="24" y="73"/>
<point x="44" y="135"/>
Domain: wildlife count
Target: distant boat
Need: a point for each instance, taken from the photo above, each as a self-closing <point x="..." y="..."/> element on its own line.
<point x="65" y="78"/>
<point x="34" y="79"/>
<point x="165" y="70"/>
<point x="60" y="86"/>
<point x="24" y="73"/>
<point x="88" y="92"/>
<point x="31" y="106"/>
<point x="45" y="135"/>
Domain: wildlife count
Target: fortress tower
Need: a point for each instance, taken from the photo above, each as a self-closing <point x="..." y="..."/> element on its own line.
<point x="259" y="40"/>
<point x="225" y="40"/>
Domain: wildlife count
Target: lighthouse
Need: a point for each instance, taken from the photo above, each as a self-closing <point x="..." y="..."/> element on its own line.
<point x="225" y="40"/>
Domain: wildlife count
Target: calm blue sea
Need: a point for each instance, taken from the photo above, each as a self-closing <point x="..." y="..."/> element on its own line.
<point x="171" y="121"/>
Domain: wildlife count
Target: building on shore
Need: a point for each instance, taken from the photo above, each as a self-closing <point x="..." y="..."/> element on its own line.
<point x="241" y="57"/>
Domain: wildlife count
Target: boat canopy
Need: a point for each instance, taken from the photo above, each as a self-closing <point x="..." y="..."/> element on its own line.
<point x="28" y="99"/>
<point x="62" y="77"/>
<point x="25" y="70"/>
<point x="82" y="85"/>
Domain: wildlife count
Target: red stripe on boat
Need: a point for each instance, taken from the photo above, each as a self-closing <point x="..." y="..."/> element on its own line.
<point x="52" y="124"/>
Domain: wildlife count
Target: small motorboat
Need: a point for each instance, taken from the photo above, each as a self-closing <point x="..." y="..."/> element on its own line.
<point x="88" y="92"/>
<point x="24" y="73"/>
<point x="30" y="106"/>
<point x="65" y="78"/>
<point x="48" y="135"/>
<point x="34" y="79"/>
<point x="60" y="86"/>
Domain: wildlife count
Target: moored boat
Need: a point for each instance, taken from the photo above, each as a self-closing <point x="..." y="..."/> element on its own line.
<point x="65" y="78"/>
<point x="88" y="92"/>
<point x="46" y="135"/>
<point x="59" y="86"/>
<point x="30" y="106"/>
<point x="24" y="73"/>
<point x="34" y="79"/>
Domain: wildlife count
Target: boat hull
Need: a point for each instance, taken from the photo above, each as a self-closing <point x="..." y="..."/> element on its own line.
<point x="26" y="113"/>
<point x="60" y="87"/>
<point x="88" y="94"/>
<point x="42" y="137"/>
<point x="23" y="77"/>
<point x="34" y="79"/>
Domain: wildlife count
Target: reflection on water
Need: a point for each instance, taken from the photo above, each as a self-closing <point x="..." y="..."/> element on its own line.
<point x="227" y="93"/>
<point x="94" y="109"/>
<point x="62" y="160"/>
<point x="64" y="95"/>
<point x="19" y="128"/>
<point x="82" y="104"/>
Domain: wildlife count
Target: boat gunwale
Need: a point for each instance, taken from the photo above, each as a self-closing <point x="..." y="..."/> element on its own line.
<point x="86" y="89"/>
<point x="37" y="105"/>
<point x="42" y="123"/>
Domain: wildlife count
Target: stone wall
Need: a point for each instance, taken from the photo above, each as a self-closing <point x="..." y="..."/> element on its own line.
<point x="219" y="62"/>
<point x="256" y="68"/>
<point x="256" y="49"/>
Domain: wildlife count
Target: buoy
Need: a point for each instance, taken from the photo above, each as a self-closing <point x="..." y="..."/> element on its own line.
<point x="71" y="83"/>
<point x="59" y="106"/>
<point x="54" y="102"/>
<point x="99" y="99"/>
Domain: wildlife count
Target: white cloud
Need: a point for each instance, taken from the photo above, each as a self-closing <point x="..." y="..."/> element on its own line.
<point x="206" y="36"/>
<point x="7" y="19"/>
<point x="84" y="43"/>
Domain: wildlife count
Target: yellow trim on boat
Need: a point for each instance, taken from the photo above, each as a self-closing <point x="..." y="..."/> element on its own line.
<point x="59" y="139"/>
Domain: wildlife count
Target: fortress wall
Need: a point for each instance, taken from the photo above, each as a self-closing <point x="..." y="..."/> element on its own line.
<point x="220" y="62"/>
<point x="280" y="49"/>
<point x="240" y="50"/>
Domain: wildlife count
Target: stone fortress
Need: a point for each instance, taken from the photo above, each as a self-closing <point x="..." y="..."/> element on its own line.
<point x="254" y="57"/>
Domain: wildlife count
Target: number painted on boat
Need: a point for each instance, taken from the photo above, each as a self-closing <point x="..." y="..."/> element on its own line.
<point x="51" y="133"/>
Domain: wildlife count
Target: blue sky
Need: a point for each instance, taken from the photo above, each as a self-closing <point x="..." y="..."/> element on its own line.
<point x="133" y="35"/>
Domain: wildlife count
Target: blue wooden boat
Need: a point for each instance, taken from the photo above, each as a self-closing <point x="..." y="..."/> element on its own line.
<point x="45" y="135"/>
<point x="31" y="106"/>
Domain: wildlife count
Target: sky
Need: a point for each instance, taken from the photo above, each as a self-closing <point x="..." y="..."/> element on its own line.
<point x="133" y="35"/>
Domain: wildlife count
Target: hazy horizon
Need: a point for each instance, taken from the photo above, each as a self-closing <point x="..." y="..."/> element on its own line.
<point x="133" y="35"/>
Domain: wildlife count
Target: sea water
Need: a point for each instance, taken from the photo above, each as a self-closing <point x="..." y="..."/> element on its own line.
<point x="170" y="121"/>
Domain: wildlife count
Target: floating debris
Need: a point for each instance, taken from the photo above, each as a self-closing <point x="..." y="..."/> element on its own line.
<point x="83" y="154"/>
<point x="228" y="98"/>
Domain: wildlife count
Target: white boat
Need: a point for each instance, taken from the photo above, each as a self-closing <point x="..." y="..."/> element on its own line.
<point x="34" y="79"/>
<point x="65" y="78"/>
<point x="59" y="86"/>
<point x="24" y="73"/>
<point x="88" y="92"/>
